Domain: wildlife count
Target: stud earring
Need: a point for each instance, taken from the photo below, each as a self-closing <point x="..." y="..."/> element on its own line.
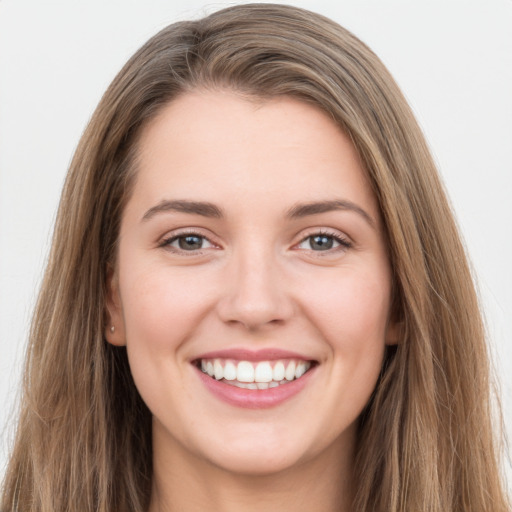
<point x="112" y="329"/>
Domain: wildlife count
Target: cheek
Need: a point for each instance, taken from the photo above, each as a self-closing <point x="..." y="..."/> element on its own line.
<point x="160" y="306"/>
<point x="351" y="309"/>
<point x="160" y="312"/>
<point x="351" y="313"/>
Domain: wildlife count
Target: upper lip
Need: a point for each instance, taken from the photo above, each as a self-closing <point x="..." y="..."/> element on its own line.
<point x="241" y="354"/>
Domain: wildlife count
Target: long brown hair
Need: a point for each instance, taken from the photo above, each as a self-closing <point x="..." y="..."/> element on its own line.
<point x="425" y="441"/>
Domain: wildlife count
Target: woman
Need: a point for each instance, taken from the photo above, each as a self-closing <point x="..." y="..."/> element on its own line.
<point x="256" y="295"/>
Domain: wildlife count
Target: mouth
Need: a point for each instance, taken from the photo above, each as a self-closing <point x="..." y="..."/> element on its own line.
<point x="255" y="375"/>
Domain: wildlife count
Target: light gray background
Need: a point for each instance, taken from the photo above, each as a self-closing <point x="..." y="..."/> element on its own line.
<point x="452" y="58"/>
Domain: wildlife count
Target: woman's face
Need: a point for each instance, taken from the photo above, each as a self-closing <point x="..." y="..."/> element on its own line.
<point x="250" y="252"/>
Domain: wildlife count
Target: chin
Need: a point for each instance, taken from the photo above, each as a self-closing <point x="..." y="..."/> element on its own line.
<point x="256" y="462"/>
<point x="259" y="449"/>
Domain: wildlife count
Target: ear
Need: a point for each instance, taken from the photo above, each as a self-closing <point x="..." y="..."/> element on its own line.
<point x="114" y="328"/>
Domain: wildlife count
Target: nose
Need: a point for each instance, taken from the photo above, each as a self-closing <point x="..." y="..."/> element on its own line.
<point x="256" y="294"/>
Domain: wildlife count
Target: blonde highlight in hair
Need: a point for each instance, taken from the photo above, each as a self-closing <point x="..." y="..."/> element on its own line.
<point x="425" y="440"/>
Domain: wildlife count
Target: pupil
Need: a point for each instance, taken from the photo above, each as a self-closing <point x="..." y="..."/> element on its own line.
<point x="190" y="242"/>
<point x="321" y="242"/>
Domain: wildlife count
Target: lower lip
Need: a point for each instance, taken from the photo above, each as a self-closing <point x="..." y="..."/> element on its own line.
<point x="255" y="398"/>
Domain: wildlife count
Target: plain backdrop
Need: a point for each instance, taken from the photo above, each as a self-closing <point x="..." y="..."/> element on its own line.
<point x="453" y="60"/>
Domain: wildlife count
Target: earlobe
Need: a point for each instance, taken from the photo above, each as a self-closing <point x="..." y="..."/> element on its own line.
<point x="114" y="328"/>
<point x="114" y="336"/>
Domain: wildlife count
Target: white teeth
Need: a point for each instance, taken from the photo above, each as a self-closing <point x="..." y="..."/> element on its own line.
<point x="300" y="370"/>
<point x="251" y="375"/>
<point x="218" y="370"/>
<point x="263" y="372"/>
<point x="245" y="372"/>
<point x="278" y="371"/>
<point x="230" y="371"/>
<point x="290" y="371"/>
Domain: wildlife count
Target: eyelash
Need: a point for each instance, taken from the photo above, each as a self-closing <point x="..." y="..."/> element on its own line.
<point x="166" y="242"/>
<point x="343" y="242"/>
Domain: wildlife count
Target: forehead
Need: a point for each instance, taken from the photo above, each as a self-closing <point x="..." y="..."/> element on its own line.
<point x="223" y="148"/>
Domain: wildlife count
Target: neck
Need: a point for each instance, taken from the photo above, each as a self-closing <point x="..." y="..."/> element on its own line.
<point x="185" y="483"/>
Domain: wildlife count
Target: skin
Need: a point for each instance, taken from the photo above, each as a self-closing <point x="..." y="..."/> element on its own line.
<point x="257" y="282"/>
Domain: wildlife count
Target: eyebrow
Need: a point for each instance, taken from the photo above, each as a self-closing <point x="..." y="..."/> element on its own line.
<point x="207" y="209"/>
<point x="315" y="208"/>
<point x="204" y="209"/>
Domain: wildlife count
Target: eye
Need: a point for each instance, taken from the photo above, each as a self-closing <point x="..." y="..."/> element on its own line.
<point x="187" y="242"/>
<point x="323" y="242"/>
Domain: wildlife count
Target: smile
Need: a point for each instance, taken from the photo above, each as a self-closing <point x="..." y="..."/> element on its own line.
<point x="255" y="379"/>
<point x="254" y="374"/>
